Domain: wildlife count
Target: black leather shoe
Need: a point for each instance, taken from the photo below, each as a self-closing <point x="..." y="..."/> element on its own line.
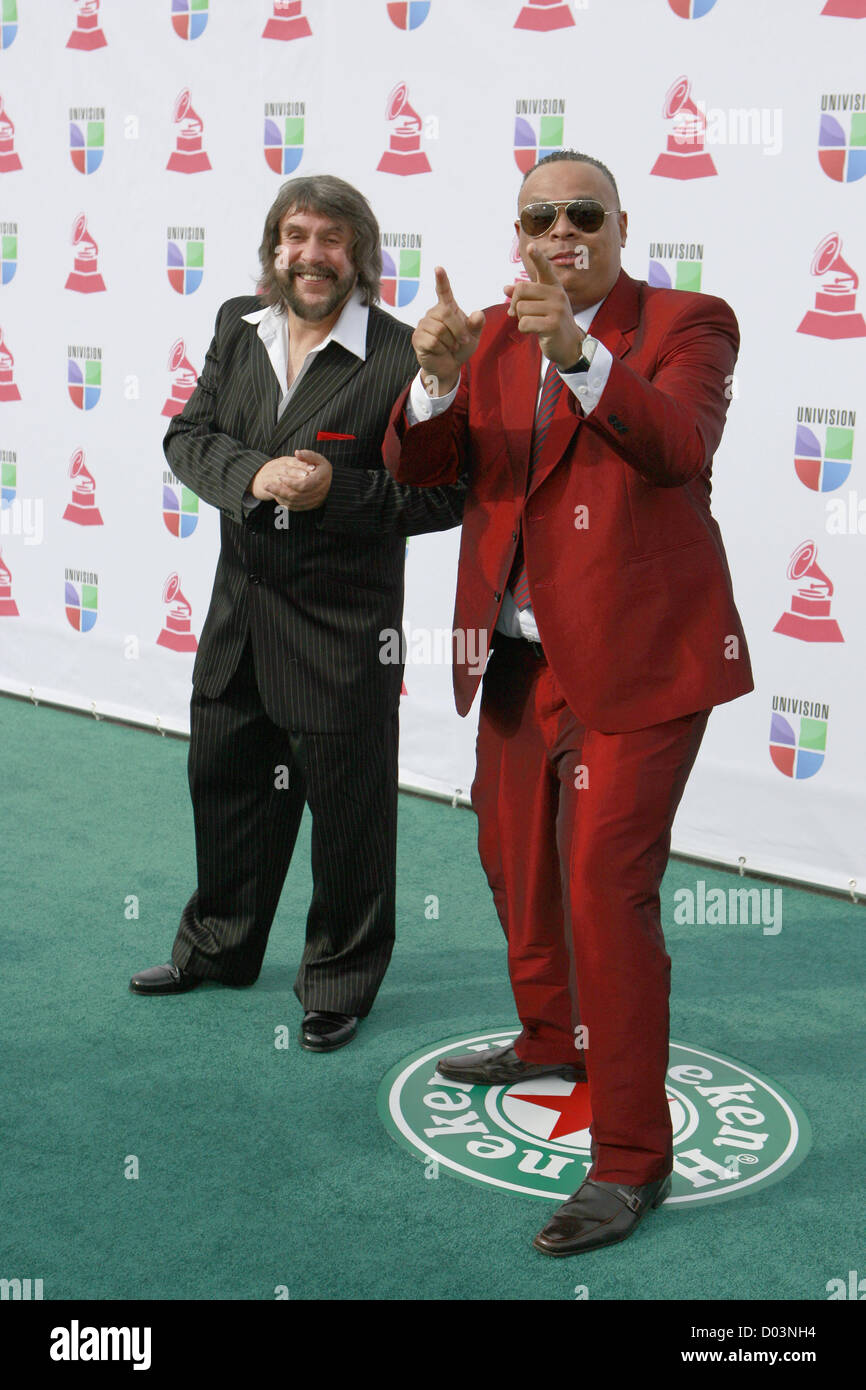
<point x="599" y="1213"/>
<point x="163" y="979"/>
<point x="502" y="1067"/>
<point x="323" y="1032"/>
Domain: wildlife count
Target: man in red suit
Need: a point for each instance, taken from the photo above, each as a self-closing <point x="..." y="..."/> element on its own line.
<point x="587" y="411"/>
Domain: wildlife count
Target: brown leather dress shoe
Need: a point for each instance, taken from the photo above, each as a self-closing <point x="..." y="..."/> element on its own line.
<point x="163" y="979"/>
<point x="599" y="1213"/>
<point x="501" y="1067"/>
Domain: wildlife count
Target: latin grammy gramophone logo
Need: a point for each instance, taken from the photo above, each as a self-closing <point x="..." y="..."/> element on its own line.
<point x="177" y="633"/>
<point x="9" y="160"/>
<point x="8" y="389"/>
<point x="808" y="617"/>
<point x="82" y="509"/>
<point x="8" y="606"/>
<point x="685" y="156"/>
<point x="409" y="14"/>
<point x="835" y="313"/>
<point x="87" y="34"/>
<point x="189" y="18"/>
<point x="404" y="154"/>
<point x="185" y="378"/>
<point x="188" y="155"/>
<point x="544" y="15"/>
<point x="287" y="21"/>
<point x="84" y="277"/>
<point x="846" y="9"/>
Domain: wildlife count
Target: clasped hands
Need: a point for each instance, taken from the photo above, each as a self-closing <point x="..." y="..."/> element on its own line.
<point x="299" y="482"/>
<point x="446" y="337"/>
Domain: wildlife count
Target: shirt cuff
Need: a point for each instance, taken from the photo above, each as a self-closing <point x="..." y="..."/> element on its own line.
<point x="588" y="386"/>
<point x="421" y="407"/>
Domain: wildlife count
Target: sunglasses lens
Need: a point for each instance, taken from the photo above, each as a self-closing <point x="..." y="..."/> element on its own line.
<point x="537" y="218"/>
<point x="586" y="215"/>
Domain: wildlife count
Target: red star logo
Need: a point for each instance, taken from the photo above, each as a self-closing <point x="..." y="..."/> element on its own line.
<point x="573" y="1110"/>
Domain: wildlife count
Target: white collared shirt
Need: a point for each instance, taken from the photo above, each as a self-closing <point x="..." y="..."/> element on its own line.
<point x="586" y="386"/>
<point x="350" y="331"/>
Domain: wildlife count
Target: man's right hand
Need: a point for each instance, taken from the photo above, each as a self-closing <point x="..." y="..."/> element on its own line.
<point x="445" y="339"/>
<point x="277" y="478"/>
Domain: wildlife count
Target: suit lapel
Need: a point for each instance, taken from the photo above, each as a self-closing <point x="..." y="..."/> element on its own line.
<point x="266" y="388"/>
<point x="330" y="371"/>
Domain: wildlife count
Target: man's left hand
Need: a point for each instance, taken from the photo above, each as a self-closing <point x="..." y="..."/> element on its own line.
<point x="541" y="306"/>
<point x="306" y="489"/>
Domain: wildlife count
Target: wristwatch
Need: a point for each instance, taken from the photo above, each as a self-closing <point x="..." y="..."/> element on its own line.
<point x="584" y="360"/>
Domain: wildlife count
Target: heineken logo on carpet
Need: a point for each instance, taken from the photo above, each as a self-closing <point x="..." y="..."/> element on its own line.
<point x="734" y="1130"/>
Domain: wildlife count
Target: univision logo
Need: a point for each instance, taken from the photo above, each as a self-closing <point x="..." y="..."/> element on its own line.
<point x="401" y="267"/>
<point x="284" y="135"/>
<point x="189" y="18"/>
<point x="734" y="1130"/>
<point x="8" y="251"/>
<point x="798" y="744"/>
<point x="185" y="258"/>
<point x="86" y="137"/>
<point x="842" y="136"/>
<point x="676" y="265"/>
<point x="81" y="591"/>
<point x="823" y="459"/>
<point x="539" y="124"/>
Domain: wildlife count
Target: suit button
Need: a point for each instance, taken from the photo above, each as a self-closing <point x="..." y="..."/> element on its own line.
<point x="255" y="578"/>
<point x="514" y="535"/>
<point x="497" y="596"/>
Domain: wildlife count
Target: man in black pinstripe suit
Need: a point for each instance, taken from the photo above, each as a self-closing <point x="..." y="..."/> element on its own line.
<point x="291" y="703"/>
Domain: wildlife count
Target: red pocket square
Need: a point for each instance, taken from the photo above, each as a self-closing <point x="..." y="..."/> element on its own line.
<point x="326" y="434"/>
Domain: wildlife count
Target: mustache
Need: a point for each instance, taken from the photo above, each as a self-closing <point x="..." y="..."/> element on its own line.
<point x="302" y="268"/>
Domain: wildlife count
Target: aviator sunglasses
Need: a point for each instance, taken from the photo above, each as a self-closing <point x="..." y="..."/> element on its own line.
<point x="585" y="214"/>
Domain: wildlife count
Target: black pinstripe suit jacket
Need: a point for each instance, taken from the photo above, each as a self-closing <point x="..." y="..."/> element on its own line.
<point x="315" y="590"/>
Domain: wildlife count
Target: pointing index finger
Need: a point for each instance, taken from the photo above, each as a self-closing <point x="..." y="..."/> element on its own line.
<point x="544" y="272"/>
<point x="444" y="293"/>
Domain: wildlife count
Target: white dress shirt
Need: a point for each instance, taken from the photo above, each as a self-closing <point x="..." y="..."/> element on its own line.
<point x="586" y="386"/>
<point x="350" y="331"/>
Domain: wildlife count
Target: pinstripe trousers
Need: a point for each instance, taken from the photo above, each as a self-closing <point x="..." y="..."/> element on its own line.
<point x="249" y="781"/>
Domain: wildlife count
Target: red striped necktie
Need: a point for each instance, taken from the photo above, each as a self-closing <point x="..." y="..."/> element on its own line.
<point x="518" y="581"/>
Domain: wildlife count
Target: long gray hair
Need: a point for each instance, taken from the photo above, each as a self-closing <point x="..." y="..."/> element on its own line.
<point x="331" y="197"/>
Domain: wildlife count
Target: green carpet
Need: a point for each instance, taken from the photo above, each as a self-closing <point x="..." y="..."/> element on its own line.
<point x="261" y="1167"/>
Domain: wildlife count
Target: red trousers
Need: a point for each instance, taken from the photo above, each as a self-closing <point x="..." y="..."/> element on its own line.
<point x="574" y="836"/>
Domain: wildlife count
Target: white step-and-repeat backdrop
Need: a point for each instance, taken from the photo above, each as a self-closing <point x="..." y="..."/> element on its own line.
<point x="141" y="143"/>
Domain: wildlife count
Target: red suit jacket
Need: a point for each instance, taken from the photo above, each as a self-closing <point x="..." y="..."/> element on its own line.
<point x="627" y="571"/>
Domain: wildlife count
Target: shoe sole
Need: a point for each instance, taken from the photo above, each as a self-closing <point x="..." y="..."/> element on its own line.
<point x="330" y="1047"/>
<point x="478" y="1078"/>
